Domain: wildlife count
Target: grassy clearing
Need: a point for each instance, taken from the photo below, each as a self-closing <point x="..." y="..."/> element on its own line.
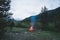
<point x="46" y="35"/>
<point x="16" y="28"/>
<point x="42" y="35"/>
<point x="50" y="35"/>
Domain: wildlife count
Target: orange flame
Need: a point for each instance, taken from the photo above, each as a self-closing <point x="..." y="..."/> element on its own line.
<point x="31" y="29"/>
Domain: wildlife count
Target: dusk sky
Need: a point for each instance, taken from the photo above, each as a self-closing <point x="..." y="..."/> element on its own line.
<point x="25" y="8"/>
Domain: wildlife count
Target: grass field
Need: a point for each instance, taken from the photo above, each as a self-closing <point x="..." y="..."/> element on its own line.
<point x="25" y="34"/>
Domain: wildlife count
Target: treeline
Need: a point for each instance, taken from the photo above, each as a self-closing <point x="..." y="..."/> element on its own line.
<point x="50" y="19"/>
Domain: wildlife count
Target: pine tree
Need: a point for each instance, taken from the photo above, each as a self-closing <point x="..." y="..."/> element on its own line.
<point x="4" y="15"/>
<point x="44" y="9"/>
<point x="44" y="16"/>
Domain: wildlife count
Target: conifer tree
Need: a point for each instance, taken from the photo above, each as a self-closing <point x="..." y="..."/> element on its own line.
<point x="4" y="15"/>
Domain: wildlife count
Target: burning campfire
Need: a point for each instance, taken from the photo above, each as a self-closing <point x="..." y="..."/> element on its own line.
<point x="31" y="29"/>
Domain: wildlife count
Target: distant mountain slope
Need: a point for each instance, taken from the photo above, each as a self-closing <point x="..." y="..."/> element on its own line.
<point x="49" y="14"/>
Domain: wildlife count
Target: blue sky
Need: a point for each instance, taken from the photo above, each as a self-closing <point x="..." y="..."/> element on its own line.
<point x="25" y="8"/>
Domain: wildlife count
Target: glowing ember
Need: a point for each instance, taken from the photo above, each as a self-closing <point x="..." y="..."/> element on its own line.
<point x="31" y="29"/>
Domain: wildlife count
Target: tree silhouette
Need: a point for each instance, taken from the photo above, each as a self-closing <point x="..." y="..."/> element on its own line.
<point x="44" y="9"/>
<point x="4" y="15"/>
<point x="44" y="16"/>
